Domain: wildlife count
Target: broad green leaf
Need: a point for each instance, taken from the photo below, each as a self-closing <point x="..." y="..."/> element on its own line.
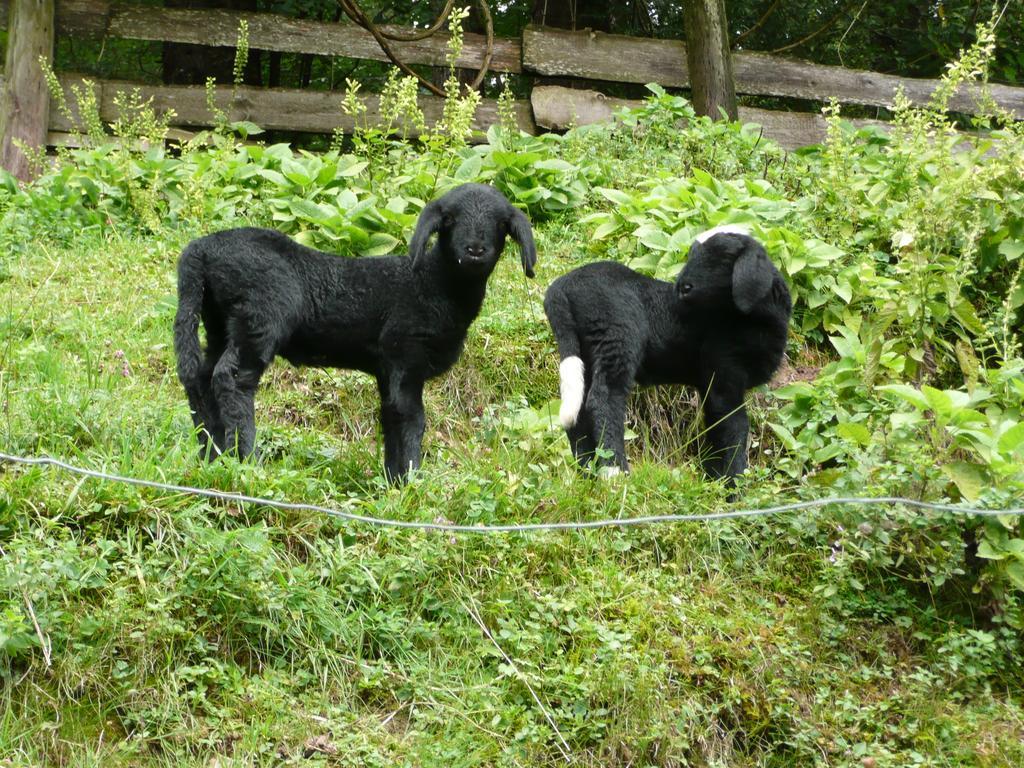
<point x="605" y="229"/>
<point x="902" y="240"/>
<point x="347" y="199"/>
<point x="1012" y="249"/>
<point x="245" y="128"/>
<point x="469" y="169"/>
<point x="987" y="551"/>
<point x="1012" y="440"/>
<point x="795" y="390"/>
<point x="652" y="237"/>
<point x="1016" y="548"/>
<point x="1015" y="572"/>
<point x="616" y="196"/>
<point x="310" y="211"/>
<point x="821" y="252"/>
<point x="786" y="437"/>
<point x="940" y="402"/>
<point x="907" y="393"/>
<point x="397" y="205"/>
<point x="847" y="345"/>
<point x="828" y="452"/>
<point x="380" y="243"/>
<point x="353" y="170"/>
<point x="970" y="479"/>
<point x="554" y="164"/>
<point x="295" y="173"/>
<point x="844" y="290"/>
<point x="647" y="263"/>
<point x="274" y="176"/>
<point x="795" y="263"/>
<point x="965" y="312"/>
<point x="854" y="431"/>
<point x="877" y="193"/>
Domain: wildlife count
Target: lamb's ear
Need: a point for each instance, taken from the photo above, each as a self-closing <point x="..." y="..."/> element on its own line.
<point x="752" y="277"/>
<point x="429" y="222"/>
<point x="521" y="231"/>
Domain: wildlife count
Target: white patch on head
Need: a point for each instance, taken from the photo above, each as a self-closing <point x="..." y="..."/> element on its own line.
<point x="570" y="385"/>
<point x="724" y="229"/>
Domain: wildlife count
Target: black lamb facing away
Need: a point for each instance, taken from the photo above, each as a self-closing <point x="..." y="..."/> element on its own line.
<point x="403" y="320"/>
<point x="721" y="328"/>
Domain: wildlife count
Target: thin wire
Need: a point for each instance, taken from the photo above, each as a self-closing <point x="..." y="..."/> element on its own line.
<point x="618" y="522"/>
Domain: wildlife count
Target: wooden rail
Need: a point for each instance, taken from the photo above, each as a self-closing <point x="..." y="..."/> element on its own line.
<point x="582" y="54"/>
<point x="541" y="52"/>
<point x="279" y="108"/>
<point x="267" y="31"/>
<point x="622" y="59"/>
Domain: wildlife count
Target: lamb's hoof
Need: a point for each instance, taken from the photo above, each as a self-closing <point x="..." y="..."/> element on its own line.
<point x="609" y="472"/>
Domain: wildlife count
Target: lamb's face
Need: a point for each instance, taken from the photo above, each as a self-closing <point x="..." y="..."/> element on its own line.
<point x="727" y="271"/>
<point x="471" y="222"/>
<point x="705" y="283"/>
<point x="473" y="229"/>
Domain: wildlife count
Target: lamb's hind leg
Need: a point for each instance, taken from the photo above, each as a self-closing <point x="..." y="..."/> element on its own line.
<point x="581" y="438"/>
<point x="614" y="371"/>
<point x="203" y="403"/>
<point x="205" y="413"/>
<point x="606" y="405"/>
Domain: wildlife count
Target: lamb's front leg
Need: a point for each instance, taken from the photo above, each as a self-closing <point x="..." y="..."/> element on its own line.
<point x="402" y="421"/>
<point x="726" y="426"/>
<point x="234" y="381"/>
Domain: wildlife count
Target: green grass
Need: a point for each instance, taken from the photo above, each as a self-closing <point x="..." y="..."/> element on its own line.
<point x="181" y="631"/>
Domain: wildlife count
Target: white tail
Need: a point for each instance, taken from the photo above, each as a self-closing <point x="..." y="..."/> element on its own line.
<point x="570" y="386"/>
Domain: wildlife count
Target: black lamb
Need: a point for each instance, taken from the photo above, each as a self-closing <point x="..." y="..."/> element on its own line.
<point x="721" y="328"/>
<point x="403" y="320"/>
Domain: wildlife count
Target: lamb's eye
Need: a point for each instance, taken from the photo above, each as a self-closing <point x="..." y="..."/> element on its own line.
<point x="686" y="288"/>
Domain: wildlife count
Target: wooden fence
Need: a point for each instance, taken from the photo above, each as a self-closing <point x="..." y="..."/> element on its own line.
<point x="541" y="52"/>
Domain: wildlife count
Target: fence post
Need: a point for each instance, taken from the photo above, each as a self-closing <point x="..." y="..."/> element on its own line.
<point x="25" y="101"/>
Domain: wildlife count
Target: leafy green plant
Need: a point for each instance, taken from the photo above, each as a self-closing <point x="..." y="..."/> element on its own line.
<point x="664" y="222"/>
<point x="937" y="217"/>
<point x="979" y="437"/>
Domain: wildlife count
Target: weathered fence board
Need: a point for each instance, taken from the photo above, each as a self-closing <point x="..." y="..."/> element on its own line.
<point x="599" y="56"/>
<point x="276" y="109"/>
<point x="267" y="31"/>
<point x="618" y="58"/>
<point x="772" y="76"/>
<point x="557" y="108"/>
<point x="74" y="17"/>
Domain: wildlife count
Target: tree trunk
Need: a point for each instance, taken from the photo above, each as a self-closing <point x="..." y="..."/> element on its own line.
<point x="25" y="102"/>
<point x="708" y="58"/>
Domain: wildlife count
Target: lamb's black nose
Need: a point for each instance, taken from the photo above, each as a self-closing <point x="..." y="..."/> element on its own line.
<point x="476" y="251"/>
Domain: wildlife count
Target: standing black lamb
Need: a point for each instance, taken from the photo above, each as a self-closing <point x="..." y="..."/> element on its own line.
<point x="404" y="320"/>
<point x="720" y="328"/>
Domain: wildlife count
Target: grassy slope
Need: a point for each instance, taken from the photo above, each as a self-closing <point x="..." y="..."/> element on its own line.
<point x="193" y="633"/>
